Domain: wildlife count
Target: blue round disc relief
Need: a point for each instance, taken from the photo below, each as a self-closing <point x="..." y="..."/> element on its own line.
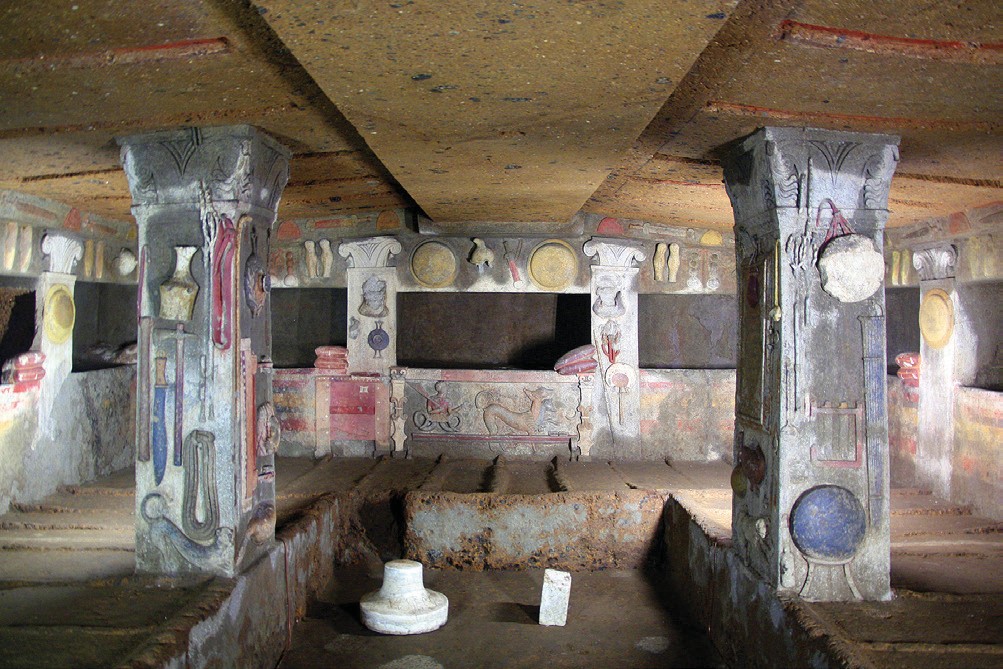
<point x="828" y="523"/>
<point x="379" y="339"/>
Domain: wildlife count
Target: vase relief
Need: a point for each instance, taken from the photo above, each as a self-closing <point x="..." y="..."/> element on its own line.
<point x="177" y="294"/>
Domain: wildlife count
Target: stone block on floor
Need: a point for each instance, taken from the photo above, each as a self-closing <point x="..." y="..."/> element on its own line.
<point x="555" y="597"/>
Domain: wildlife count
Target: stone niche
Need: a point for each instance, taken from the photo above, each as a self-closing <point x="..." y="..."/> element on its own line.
<point x="687" y="331"/>
<point x="422" y="308"/>
<point x="489" y="330"/>
<point x="105" y="330"/>
<point x="305" y="318"/>
<point x="17" y="318"/>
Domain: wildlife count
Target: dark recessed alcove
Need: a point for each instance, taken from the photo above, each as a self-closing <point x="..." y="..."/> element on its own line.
<point x="17" y="319"/>
<point x="489" y="330"/>
<point x="901" y="322"/>
<point x="105" y="324"/>
<point x="687" y="331"/>
<point x="983" y="302"/>
<point x="305" y="318"/>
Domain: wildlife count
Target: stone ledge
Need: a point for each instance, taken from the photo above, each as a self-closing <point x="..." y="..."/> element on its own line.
<point x="247" y="621"/>
<point x="748" y="623"/>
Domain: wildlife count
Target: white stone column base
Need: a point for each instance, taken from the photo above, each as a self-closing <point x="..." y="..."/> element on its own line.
<point x="404" y="605"/>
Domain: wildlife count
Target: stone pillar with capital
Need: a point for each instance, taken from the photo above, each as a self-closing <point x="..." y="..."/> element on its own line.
<point x="616" y="427"/>
<point x="372" y="304"/>
<point x="204" y="201"/>
<point x="948" y="358"/>
<point x="810" y="504"/>
<point x="55" y="316"/>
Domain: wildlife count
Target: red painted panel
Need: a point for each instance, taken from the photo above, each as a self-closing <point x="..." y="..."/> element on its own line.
<point x="353" y="410"/>
<point x="295" y="424"/>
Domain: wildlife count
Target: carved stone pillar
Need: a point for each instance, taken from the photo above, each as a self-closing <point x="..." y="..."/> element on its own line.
<point x="614" y="333"/>
<point x="372" y="304"/>
<point x="55" y="315"/>
<point x="810" y="505"/>
<point x="945" y="361"/>
<point x="204" y="200"/>
<point x="398" y="414"/>
<point x="581" y="443"/>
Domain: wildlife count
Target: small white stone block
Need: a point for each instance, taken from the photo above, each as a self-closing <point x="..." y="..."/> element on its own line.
<point x="404" y="605"/>
<point x="555" y="597"/>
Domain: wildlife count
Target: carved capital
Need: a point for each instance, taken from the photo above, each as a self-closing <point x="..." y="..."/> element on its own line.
<point x="227" y="164"/>
<point x="613" y="252"/>
<point x="804" y="168"/>
<point x="63" y="252"/>
<point x="368" y="253"/>
<point x="935" y="262"/>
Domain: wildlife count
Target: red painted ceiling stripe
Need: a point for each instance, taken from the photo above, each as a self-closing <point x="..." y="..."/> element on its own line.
<point x="192" y="48"/>
<point x="738" y="109"/>
<point x="857" y="40"/>
<point x="675" y="182"/>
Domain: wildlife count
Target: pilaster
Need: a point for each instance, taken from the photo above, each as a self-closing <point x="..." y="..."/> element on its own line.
<point x="945" y="360"/>
<point x="614" y="333"/>
<point x="372" y="304"/>
<point x="810" y="506"/>
<point x="55" y="316"/>
<point x="204" y="201"/>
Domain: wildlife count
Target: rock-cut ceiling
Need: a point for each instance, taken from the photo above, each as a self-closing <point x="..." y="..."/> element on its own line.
<point x="485" y="112"/>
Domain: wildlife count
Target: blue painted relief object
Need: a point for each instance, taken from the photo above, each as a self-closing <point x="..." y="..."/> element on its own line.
<point x="159" y="422"/>
<point x="378" y="339"/>
<point x="828" y="523"/>
<point x="165" y="533"/>
<point x="873" y="329"/>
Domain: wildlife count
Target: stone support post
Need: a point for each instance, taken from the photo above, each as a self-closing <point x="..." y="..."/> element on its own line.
<point x="947" y="359"/>
<point x="614" y="332"/>
<point x="810" y="505"/>
<point x="398" y="415"/>
<point x="204" y="201"/>
<point x="581" y="443"/>
<point x="55" y="316"/>
<point x="372" y="304"/>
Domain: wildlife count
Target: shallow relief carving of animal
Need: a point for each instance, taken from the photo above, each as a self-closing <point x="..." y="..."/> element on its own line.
<point x="499" y="418"/>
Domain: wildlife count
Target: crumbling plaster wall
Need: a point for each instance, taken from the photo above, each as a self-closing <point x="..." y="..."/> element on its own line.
<point x="965" y="409"/>
<point x="688" y="331"/>
<point x="975" y="461"/>
<point x="903" y="423"/>
<point x="984" y="303"/>
<point x="88" y="430"/>
<point x="92" y="434"/>
<point x="105" y="323"/>
<point x="686" y="414"/>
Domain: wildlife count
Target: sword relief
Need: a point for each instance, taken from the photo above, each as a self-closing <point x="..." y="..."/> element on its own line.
<point x="159" y="419"/>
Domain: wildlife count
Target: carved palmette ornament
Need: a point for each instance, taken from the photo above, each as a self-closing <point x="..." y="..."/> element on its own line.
<point x="936" y="262"/>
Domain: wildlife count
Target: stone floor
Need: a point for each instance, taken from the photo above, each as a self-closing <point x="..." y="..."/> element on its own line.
<point x="68" y="596"/>
<point x="493" y="625"/>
